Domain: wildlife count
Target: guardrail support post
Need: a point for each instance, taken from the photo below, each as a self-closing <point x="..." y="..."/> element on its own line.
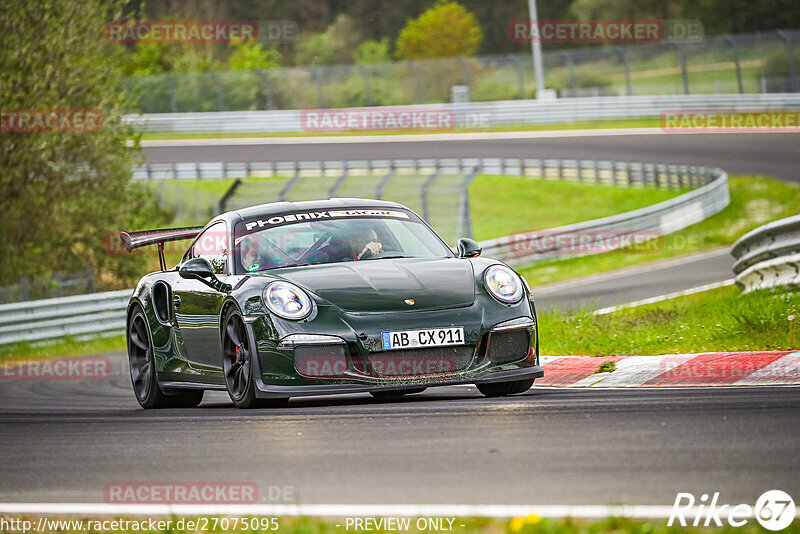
<point x="269" y="102"/>
<point x="290" y="184"/>
<point x="793" y="81"/>
<point x="464" y="228"/>
<point x="415" y="77"/>
<point x="682" y="58"/>
<point x="220" y="91"/>
<point x="315" y="75"/>
<point x="385" y="181"/>
<point x="573" y="86"/>
<point x="367" y="87"/>
<point x="520" y="76"/>
<point x="424" y="191"/>
<point x="173" y="99"/>
<point x="623" y="57"/>
<point x="731" y="41"/>
<point x="465" y="73"/>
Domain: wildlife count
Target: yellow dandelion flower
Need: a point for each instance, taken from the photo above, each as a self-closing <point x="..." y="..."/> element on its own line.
<point x="516" y="524"/>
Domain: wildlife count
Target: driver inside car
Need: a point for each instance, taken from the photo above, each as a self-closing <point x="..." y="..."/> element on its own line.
<point x="366" y="244"/>
<point x="353" y="242"/>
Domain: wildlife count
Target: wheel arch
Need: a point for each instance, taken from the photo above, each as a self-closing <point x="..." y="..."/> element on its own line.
<point x="132" y="305"/>
<point x="227" y="305"/>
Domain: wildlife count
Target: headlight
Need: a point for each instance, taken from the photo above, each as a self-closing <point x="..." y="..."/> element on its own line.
<point x="503" y="284"/>
<point x="287" y="300"/>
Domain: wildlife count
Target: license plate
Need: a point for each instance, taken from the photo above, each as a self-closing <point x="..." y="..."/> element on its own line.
<point x="428" y="337"/>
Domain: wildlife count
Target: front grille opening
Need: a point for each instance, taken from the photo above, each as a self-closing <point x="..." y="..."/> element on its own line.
<point x="419" y="363"/>
<point x="509" y="346"/>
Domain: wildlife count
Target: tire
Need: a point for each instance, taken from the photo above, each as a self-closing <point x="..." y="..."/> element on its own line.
<point x="144" y="379"/>
<point x="389" y="393"/>
<point x="502" y="389"/>
<point x="237" y="365"/>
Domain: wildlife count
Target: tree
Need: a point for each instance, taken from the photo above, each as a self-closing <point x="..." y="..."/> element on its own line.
<point x="446" y="29"/>
<point x="253" y="57"/>
<point x="373" y="52"/>
<point x="62" y="193"/>
<point x="334" y="45"/>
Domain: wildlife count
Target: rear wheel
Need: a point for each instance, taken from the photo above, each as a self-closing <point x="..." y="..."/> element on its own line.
<point x="237" y="365"/>
<point x="388" y="393"/>
<point x="143" y="370"/>
<point x="502" y="389"/>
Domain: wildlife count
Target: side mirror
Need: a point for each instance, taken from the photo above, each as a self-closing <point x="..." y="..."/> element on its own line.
<point x="197" y="269"/>
<point x="200" y="269"/>
<point x="468" y="248"/>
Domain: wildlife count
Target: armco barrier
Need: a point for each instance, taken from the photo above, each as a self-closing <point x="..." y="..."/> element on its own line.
<point x="104" y="312"/>
<point x="79" y="315"/>
<point x="769" y="256"/>
<point x="477" y="113"/>
<point x="662" y="219"/>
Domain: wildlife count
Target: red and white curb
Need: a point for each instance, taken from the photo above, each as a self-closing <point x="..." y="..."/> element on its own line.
<point x="674" y="370"/>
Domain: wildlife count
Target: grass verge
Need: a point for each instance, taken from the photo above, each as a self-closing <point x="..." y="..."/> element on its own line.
<point x="62" y="348"/>
<point x="718" y="320"/>
<point x="755" y="200"/>
<point x="504" y="205"/>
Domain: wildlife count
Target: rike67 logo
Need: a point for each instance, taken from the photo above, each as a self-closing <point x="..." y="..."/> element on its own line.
<point x="774" y="510"/>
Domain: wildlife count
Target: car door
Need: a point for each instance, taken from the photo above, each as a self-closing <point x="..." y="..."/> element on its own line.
<point x="197" y="306"/>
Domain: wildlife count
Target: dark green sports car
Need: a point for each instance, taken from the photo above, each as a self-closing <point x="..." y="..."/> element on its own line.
<point x="325" y="297"/>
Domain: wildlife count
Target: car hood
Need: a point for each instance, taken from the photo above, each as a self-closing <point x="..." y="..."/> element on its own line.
<point x="387" y="285"/>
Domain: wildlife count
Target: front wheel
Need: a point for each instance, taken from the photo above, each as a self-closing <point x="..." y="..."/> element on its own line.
<point x="143" y="370"/>
<point x="237" y="365"/>
<point x="502" y="389"/>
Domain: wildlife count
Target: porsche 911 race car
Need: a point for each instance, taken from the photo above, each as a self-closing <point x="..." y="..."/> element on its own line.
<point x="325" y="297"/>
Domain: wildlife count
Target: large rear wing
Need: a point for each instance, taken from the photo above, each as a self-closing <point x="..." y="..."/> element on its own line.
<point x="132" y="240"/>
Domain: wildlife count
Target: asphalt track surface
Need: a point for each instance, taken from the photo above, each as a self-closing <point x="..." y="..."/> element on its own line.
<point x="637" y="282"/>
<point x="769" y="154"/>
<point x="64" y="441"/>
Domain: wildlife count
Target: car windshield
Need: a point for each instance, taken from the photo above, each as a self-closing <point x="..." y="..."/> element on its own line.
<point x="311" y="238"/>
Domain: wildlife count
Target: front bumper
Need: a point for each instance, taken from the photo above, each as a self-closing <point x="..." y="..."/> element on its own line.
<point x="278" y="374"/>
<point x="272" y="391"/>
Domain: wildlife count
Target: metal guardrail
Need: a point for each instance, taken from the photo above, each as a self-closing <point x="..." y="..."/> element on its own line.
<point x="104" y="312"/>
<point x="475" y="113"/>
<point x="79" y="315"/>
<point x="437" y="172"/>
<point x="769" y="256"/>
<point x="627" y="228"/>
